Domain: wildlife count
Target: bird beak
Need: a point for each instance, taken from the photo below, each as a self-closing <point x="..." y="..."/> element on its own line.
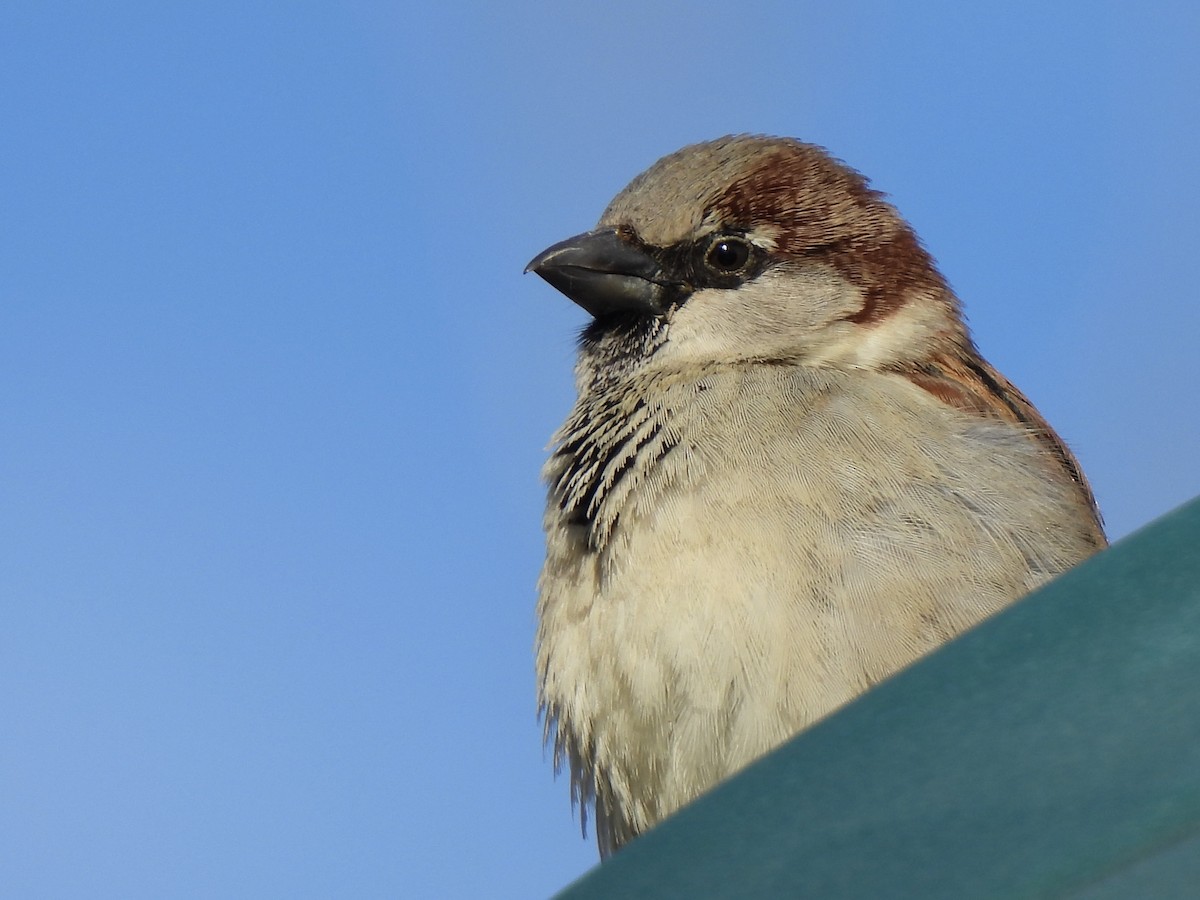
<point x="604" y="273"/>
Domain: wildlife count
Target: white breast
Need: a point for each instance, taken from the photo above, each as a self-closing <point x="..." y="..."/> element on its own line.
<point x="782" y="538"/>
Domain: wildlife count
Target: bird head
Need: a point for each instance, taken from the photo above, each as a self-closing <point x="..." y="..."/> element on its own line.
<point x="751" y="248"/>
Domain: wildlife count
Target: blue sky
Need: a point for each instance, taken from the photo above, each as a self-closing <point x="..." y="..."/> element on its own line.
<point x="275" y="392"/>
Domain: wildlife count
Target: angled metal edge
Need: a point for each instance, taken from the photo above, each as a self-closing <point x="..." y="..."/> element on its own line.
<point x="1050" y="747"/>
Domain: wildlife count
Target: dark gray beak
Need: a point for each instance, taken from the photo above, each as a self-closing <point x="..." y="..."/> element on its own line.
<point x="604" y="273"/>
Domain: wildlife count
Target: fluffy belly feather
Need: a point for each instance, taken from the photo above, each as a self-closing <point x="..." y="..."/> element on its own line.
<point x="713" y="598"/>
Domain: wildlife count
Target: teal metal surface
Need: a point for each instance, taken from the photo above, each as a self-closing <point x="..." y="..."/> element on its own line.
<point x="1054" y="751"/>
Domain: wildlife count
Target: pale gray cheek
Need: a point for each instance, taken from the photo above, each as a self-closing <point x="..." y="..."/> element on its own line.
<point x="773" y="316"/>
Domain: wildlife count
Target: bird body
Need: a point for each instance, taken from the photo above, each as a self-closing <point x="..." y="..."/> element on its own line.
<point x="787" y="475"/>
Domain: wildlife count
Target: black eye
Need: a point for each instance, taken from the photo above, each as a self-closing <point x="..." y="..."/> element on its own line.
<point x="727" y="254"/>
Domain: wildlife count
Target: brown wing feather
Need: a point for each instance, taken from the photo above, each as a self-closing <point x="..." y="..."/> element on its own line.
<point x="969" y="383"/>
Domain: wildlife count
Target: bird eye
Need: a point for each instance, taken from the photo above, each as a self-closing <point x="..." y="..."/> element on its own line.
<point x="727" y="254"/>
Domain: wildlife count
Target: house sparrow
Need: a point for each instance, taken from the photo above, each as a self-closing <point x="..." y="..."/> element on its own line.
<point x="789" y="473"/>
